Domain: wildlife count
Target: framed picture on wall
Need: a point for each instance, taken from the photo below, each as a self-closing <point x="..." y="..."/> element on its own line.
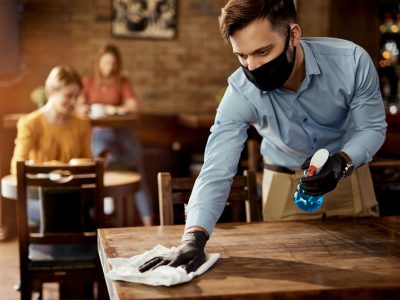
<point x="154" y="19"/>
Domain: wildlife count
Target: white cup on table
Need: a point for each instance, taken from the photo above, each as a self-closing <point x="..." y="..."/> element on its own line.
<point x="97" y="110"/>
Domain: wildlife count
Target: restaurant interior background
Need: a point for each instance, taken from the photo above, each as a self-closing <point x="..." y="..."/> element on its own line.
<point x="185" y="74"/>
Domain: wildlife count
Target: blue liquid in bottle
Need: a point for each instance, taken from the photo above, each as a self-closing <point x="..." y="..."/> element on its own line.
<point x="306" y="202"/>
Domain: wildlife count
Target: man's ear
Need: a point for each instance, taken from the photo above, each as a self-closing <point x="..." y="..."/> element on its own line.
<point x="295" y="33"/>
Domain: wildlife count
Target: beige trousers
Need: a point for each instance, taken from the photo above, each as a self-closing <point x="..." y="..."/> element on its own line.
<point x="354" y="196"/>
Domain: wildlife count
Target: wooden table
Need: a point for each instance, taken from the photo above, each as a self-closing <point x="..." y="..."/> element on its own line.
<point x="116" y="184"/>
<point x="120" y="185"/>
<point x="195" y="121"/>
<point x="115" y="120"/>
<point x="10" y="120"/>
<point x="335" y="259"/>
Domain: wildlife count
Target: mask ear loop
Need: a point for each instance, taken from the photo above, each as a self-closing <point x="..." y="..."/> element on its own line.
<point x="289" y="36"/>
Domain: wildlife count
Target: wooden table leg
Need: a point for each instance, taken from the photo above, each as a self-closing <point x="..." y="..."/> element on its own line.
<point x="120" y="211"/>
<point x="132" y="217"/>
<point x="125" y="212"/>
<point x="3" y="223"/>
<point x="3" y="232"/>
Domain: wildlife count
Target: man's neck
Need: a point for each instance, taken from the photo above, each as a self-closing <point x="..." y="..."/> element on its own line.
<point x="299" y="71"/>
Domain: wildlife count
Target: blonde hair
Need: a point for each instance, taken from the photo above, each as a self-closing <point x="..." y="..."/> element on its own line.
<point x="61" y="76"/>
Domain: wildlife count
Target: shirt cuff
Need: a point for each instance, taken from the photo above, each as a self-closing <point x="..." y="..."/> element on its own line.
<point x="201" y="217"/>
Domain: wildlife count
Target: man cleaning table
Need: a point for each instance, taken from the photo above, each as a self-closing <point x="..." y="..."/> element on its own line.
<point x="301" y="95"/>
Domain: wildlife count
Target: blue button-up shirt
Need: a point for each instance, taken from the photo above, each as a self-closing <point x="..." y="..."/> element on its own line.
<point x="338" y="107"/>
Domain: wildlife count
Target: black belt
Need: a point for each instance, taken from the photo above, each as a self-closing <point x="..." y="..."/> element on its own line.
<point x="279" y="169"/>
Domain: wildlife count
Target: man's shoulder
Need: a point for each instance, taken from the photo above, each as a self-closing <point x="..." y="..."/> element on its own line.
<point x="329" y="46"/>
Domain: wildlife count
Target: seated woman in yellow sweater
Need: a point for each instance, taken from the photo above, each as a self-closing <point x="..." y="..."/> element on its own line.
<point x="54" y="132"/>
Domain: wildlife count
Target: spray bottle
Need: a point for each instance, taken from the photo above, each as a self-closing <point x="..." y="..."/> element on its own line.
<point x="306" y="202"/>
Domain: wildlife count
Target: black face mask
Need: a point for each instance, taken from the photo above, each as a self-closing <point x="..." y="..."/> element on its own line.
<point x="273" y="74"/>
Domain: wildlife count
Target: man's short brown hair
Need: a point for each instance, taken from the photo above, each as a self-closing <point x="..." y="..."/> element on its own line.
<point x="237" y="14"/>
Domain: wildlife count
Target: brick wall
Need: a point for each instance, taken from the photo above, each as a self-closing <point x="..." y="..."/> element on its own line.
<point x="314" y="17"/>
<point x="182" y="74"/>
<point x="170" y="76"/>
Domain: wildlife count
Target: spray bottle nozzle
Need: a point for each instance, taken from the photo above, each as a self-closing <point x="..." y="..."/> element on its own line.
<point x="311" y="170"/>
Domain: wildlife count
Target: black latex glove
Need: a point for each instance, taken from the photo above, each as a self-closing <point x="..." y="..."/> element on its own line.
<point x="189" y="254"/>
<point x="327" y="178"/>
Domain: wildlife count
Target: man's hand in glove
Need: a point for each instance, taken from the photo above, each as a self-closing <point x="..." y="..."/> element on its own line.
<point x="189" y="254"/>
<point x="327" y="178"/>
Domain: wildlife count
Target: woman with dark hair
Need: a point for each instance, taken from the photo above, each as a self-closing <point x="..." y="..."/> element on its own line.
<point x="112" y="90"/>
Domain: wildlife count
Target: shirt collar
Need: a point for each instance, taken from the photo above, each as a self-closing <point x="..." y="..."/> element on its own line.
<point x="309" y="60"/>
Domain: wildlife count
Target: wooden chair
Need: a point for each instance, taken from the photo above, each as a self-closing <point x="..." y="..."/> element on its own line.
<point x="255" y="164"/>
<point x="173" y="191"/>
<point x="254" y="157"/>
<point x="385" y="173"/>
<point x="58" y="253"/>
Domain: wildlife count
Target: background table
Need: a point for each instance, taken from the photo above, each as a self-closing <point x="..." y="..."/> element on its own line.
<point x="335" y="259"/>
<point x="126" y="120"/>
<point x="195" y="120"/>
<point x="116" y="184"/>
<point x="120" y="185"/>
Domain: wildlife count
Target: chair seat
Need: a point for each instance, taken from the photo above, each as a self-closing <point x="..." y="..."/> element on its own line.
<point x="62" y="256"/>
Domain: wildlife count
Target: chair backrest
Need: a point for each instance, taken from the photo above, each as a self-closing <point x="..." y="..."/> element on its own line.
<point x="254" y="157"/>
<point x="64" y="192"/>
<point x="177" y="191"/>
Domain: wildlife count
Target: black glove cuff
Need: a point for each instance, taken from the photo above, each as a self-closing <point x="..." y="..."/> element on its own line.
<point x="195" y="237"/>
<point x="347" y="164"/>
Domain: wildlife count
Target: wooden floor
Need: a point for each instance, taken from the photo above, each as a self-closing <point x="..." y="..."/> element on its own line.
<point x="9" y="273"/>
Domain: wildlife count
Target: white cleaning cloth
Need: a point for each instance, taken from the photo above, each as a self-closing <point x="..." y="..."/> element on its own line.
<point x="126" y="269"/>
